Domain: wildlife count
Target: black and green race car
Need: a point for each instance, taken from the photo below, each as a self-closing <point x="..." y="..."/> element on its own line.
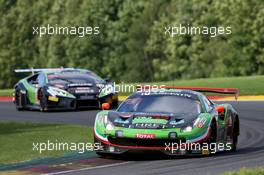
<point x="62" y="88"/>
<point x="171" y="120"/>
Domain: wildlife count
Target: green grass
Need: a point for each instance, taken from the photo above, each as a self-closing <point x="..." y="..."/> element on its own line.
<point x="251" y="85"/>
<point x="16" y="139"/>
<point x="6" y="92"/>
<point x="245" y="171"/>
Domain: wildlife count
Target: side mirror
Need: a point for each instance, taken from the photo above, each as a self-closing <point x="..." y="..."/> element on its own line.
<point x="105" y="106"/>
<point x="220" y="109"/>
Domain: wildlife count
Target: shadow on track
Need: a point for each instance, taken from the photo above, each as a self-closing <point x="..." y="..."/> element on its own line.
<point x="155" y="155"/>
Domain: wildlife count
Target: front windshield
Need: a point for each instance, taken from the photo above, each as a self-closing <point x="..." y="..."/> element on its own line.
<point x="73" y="77"/>
<point x="161" y="104"/>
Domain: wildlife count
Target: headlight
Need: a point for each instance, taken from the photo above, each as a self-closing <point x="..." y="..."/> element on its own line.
<point x="190" y="128"/>
<point x="100" y="85"/>
<point x="187" y="129"/>
<point x="107" y="124"/>
<point x="56" y="91"/>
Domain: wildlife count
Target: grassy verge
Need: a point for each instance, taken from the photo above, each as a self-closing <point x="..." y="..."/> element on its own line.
<point x="250" y="85"/>
<point x="244" y="171"/>
<point x="16" y="139"/>
<point x="6" y="92"/>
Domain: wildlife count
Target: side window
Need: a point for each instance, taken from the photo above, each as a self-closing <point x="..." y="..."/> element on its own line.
<point x="41" y="79"/>
<point x="208" y="104"/>
<point x="33" y="80"/>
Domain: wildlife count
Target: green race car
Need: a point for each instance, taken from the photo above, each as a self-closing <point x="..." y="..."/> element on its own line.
<point x="62" y="88"/>
<point x="171" y="120"/>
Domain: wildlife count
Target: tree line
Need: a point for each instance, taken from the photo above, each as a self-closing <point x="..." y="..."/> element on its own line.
<point x="132" y="45"/>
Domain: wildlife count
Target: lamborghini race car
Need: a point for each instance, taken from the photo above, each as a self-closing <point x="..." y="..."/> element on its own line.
<point x="173" y="120"/>
<point x="62" y="88"/>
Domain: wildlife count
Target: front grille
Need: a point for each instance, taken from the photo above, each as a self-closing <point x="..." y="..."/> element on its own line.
<point x="86" y="96"/>
<point x="83" y="90"/>
<point x="143" y="142"/>
<point x="84" y="93"/>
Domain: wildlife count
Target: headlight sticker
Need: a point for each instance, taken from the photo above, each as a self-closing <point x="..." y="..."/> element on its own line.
<point x="55" y="91"/>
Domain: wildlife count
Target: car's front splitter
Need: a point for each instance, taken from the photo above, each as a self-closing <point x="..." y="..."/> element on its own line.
<point x="112" y="148"/>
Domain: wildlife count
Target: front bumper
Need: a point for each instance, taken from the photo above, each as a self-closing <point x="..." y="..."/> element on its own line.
<point x="72" y="103"/>
<point x="115" y="145"/>
<point x="81" y="101"/>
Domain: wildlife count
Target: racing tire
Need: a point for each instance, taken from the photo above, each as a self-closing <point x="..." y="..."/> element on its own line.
<point x="213" y="137"/>
<point x="235" y="137"/>
<point x="42" y="101"/>
<point x="234" y="146"/>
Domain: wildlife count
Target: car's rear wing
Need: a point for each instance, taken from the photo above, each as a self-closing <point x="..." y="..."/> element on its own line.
<point x="33" y="70"/>
<point x="234" y="91"/>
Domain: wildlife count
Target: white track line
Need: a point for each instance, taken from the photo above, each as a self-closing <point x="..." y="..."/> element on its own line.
<point x="88" y="168"/>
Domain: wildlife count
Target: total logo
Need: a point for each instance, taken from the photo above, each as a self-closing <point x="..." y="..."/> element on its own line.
<point x="145" y="136"/>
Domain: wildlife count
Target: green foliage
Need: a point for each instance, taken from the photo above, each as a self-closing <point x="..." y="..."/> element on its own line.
<point x="132" y="46"/>
<point x="248" y="85"/>
<point x="247" y="171"/>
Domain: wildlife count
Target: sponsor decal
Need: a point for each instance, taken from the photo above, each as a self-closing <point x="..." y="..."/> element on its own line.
<point x="201" y="122"/>
<point x="80" y="84"/>
<point x="146" y="125"/>
<point x="84" y="90"/>
<point x="145" y="136"/>
<point x="205" y="151"/>
<point x="179" y="94"/>
<point x="87" y="97"/>
<point x="51" y="98"/>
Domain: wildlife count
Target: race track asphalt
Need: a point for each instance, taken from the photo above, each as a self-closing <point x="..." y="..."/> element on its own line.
<point x="8" y="112"/>
<point x="250" y="147"/>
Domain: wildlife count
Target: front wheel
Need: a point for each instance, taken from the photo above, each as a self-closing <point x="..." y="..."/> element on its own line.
<point x="234" y="146"/>
<point x="212" y="139"/>
<point x="19" y="100"/>
<point x="235" y="136"/>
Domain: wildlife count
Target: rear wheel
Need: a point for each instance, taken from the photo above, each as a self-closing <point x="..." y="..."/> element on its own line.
<point x="234" y="146"/>
<point x="235" y="135"/>
<point x="42" y="101"/>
